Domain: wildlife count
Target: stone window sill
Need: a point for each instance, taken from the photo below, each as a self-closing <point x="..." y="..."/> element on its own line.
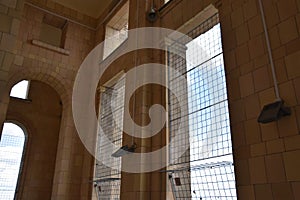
<point x="50" y="47"/>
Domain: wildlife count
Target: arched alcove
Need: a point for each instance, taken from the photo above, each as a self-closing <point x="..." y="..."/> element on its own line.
<point x="41" y="111"/>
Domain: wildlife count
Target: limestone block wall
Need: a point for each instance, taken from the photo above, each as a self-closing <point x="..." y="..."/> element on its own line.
<point x="266" y="155"/>
<point x="10" y="14"/>
<point x="27" y="61"/>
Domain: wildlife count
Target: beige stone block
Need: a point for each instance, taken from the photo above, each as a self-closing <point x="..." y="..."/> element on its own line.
<point x="246" y="85"/>
<point x="246" y="68"/>
<point x="128" y="195"/>
<point x="292" y="61"/>
<point x="7" y="43"/>
<point x="288" y="30"/>
<point x="292" y="165"/>
<point x="280" y="70"/>
<point x="255" y="26"/>
<point x="15" y="27"/>
<point x="238" y="135"/>
<point x="275" y="146"/>
<point x="261" y="79"/>
<point x="286" y="9"/>
<point x="237" y="111"/>
<point x="7" y="61"/>
<point x="242" y="54"/>
<point x="3" y="75"/>
<point x="269" y="131"/>
<point x="3" y="9"/>
<point x="18" y="60"/>
<point x="243" y="152"/>
<point x="287" y="93"/>
<point x="6" y="22"/>
<point x="267" y="96"/>
<point x="263" y="192"/>
<point x="271" y="13"/>
<point x="246" y="192"/>
<point x="252" y="132"/>
<point x="274" y="38"/>
<point x="14" y="13"/>
<point x="292" y="143"/>
<point x="261" y="61"/>
<point x="275" y="169"/>
<point x="242" y="34"/>
<point x="252" y="106"/>
<point x="257" y="170"/>
<point x="230" y="60"/>
<point x="258" y="149"/>
<point x="250" y="9"/>
<point x="257" y="47"/>
<point x="282" y="191"/>
<point x="237" y="17"/>
<point x="242" y="172"/>
<point x="233" y="87"/>
<point x="293" y="46"/>
<point x="296" y="189"/>
<point x="9" y="3"/>
<point x="279" y="53"/>
<point x="229" y="40"/>
<point x="226" y="23"/>
<point x="288" y="125"/>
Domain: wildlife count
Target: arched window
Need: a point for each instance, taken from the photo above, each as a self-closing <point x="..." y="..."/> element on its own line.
<point x="11" y="150"/>
<point x="20" y="90"/>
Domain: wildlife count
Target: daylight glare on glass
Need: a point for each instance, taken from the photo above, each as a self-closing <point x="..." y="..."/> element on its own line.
<point x="206" y="171"/>
<point x="20" y="90"/>
<point x="11" y="150"/>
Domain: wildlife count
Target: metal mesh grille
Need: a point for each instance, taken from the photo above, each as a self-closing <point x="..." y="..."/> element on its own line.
<point x="206" y="121"/>
<point x="110" y="115"/>
<point x="210" y="181"/>
<point x="108" y="189"/>
<point x="11" y="151"/>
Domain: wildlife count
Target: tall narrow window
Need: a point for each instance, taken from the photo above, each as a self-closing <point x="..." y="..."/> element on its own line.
<point x="11" y="151"/>
<point x="108" y="180"/>
<point x="117" y="30"/>
<point x="206" y="169"/>
<point x="20" y="90"/>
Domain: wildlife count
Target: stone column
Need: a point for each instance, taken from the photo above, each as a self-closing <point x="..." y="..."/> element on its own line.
<point x="10" y="12"/>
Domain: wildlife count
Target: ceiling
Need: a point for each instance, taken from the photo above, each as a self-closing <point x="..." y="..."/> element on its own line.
<point x="92" y="8"/>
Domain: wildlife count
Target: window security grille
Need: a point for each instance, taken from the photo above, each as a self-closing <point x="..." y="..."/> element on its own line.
<point x="205" y="170"/>
<point x="111" y="113"/>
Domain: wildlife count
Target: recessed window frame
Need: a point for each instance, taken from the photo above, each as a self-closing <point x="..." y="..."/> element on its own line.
<point x="111" y="24"/>
<point x="108" y="182"/>
<point x="185" y="169"/>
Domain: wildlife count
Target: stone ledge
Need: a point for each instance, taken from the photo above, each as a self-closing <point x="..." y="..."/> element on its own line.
<point x="51" y="47"/>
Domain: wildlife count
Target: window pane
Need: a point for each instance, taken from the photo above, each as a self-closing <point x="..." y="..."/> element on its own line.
<point x="11" y="151"/>
<point x="20" y="90"/>
<point x="116" y="30"/>
<point x="205" y="170"/>
<point x="108" y="180"/>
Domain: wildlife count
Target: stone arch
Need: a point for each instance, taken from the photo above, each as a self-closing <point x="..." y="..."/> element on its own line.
<point x="57" y="82"/>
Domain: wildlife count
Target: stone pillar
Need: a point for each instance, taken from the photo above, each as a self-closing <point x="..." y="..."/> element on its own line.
<point x="10" y="12"/>
<point x="151" y="185"/>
